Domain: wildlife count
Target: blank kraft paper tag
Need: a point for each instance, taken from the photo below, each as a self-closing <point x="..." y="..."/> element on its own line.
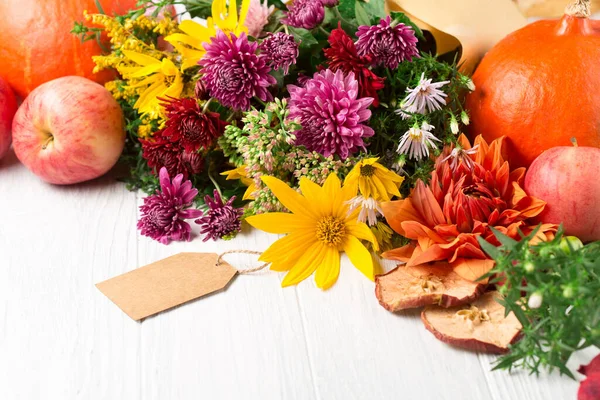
<point x="167" y="283"/>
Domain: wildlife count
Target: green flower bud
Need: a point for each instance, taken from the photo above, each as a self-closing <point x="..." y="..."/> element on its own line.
<point x="528" y="267"/>
<point x="570" y="242"/>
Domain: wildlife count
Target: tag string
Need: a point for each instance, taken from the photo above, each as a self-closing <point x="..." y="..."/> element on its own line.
<point x="243" y="271"/>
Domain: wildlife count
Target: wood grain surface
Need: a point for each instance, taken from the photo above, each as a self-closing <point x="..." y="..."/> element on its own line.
<point x="60" y="338"/>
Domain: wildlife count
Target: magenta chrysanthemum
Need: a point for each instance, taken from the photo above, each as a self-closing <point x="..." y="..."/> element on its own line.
<point x="331" y="114"/>
<point x="330" y="3"/>
<point x="222" y="220"/>
<point x="307" y="14"/>
<point x="281" y="50"/>
<point x="233" y="73"/>
<point x="164" y="213"/>
<point x="387" y="43"/>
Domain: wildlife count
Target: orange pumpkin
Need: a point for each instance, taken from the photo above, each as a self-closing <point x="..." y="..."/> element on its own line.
<point x="540" y="86"/>
<point x="36" y="45"/>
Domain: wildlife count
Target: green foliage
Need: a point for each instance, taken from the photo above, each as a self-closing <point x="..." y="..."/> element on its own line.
<point x="361" y="15"/>
<point x="376" y="9"/>
<point x="402" y="18"/>
<point x="566" y="275"/>
<point x="389" y="126"/>
<point x="304" y="37"/>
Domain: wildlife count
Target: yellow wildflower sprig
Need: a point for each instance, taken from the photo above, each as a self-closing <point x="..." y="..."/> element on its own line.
<point x="190" y="42"/>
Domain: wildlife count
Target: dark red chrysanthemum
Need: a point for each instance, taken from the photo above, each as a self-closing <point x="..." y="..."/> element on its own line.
<point x="187" y="125"/>
<point x="342" y="55"/>
<point x="160" y="152"/>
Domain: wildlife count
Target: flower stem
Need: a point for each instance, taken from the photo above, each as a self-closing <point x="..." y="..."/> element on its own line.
<point x="214" y="182"/>
<point x="338" y="15"/>
<point x="206" y="104"/>
<point x="324" y="31"/>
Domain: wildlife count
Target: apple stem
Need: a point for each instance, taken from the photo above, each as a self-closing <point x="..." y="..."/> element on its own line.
<point x="50" y="139"/>
<point x="574" y="141"/>
<point x="579" y="9"/>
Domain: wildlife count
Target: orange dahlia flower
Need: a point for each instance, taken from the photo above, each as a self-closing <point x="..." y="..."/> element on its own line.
<point x="471" y="190"/>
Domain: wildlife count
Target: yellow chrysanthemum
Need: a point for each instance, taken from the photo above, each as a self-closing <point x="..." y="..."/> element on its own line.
<point x="157" y="78"/>
<point x="190" y="43"/>
<point x="374" y="180"/>
<point x="319" y="228"/>
<point x="241" y="174"/>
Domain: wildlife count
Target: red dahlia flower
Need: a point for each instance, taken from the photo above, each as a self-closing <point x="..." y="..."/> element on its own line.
<point x="342" y="55"/>
<point x="463" y="200"/>
<point x="189" y="126"/>
<point x="160" y="152"/>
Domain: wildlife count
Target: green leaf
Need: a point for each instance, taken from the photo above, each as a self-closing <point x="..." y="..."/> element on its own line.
<point x="330" y="17"/>
<point x="376" y="9"/>
<point x="99" y="7"/>
<point x="402" y="18"/>
<point x="361" y="15"/>
<point x="489" y="248"/>
<point x="503" y="239"/>
<point x="346" y="9"/>
<point x="303" y="36"/>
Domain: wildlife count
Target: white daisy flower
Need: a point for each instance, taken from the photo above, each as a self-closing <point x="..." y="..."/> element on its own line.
<point x="406" y="112"/>
<point x="416" y="141"/>
<point x="369" y="209"/>
<point x="458" y="155"/>
<point x="425" y="98"/>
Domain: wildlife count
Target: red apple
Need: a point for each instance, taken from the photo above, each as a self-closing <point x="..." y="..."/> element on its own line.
<point x="8" y="108"/>
<point x="567" y="179"/>
<point x="69" y="130"/>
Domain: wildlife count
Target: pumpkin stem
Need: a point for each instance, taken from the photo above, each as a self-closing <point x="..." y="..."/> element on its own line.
<point x="574" y="142"/>
<point x="579" y="9"/>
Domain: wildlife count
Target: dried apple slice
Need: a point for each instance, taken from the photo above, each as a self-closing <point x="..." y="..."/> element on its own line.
<point x="412" y="287"/>
<point x="479" y="326"/>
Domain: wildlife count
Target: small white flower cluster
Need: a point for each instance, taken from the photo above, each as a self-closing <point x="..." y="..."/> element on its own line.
<point x="425" y="98"/>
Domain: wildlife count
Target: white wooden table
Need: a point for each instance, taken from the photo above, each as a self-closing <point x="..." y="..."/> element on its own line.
<point x="60" y="338"/>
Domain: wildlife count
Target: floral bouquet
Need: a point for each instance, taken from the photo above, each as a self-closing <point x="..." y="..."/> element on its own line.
<point x="339" y="126"/>
<point x="299" y="94"/>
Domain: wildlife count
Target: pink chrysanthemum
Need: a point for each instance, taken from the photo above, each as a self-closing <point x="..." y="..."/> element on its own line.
<point x="281" y="50"/>
<point x="257" y="17"/>
<point x="233" y="73"/>
<point x="330" y="3"/>
<point x="164" y="213"/>
<point x="222" y="220"/>
<point x="307" y="14"/>
<point x="331" y="114"/>
<point x="388" y="43"/>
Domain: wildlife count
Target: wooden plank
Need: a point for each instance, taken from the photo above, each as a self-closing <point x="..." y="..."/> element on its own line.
<point x="245" y="343"/>
<point x="359" y="350"/>
<point x="520" y="385"/>
<point x="59" y="337"/>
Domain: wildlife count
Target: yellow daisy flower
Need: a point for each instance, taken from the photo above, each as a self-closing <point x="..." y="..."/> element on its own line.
<point x="241" y="174"/>
<point x="374" y="180"/>
<point x="159" y="78"/>
<point x="190" y="43"/>
<point x="319" y="228"/>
